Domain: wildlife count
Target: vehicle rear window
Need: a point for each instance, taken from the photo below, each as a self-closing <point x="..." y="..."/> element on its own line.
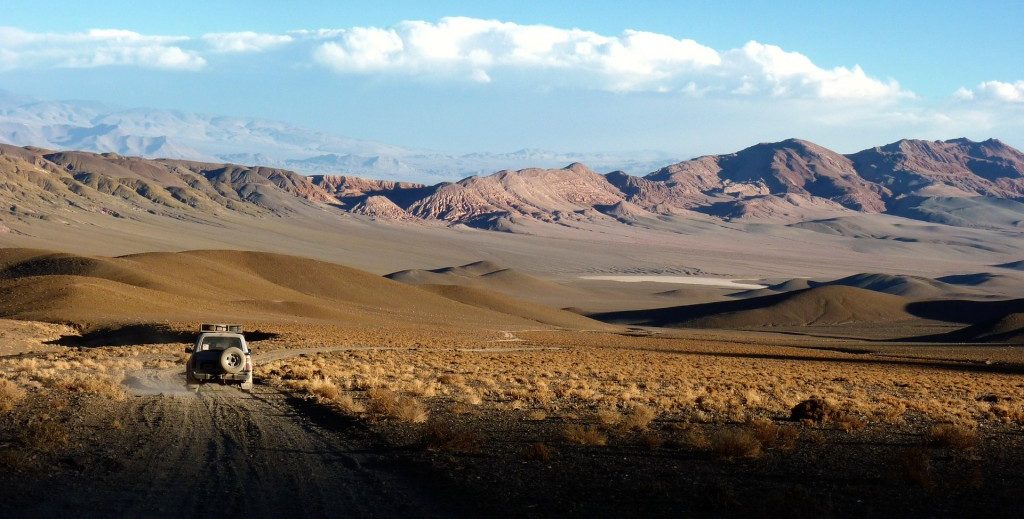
<point x="220" y="343"/>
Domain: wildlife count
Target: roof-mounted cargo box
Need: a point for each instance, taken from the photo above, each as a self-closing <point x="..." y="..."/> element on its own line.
<point x="217" y="327"/>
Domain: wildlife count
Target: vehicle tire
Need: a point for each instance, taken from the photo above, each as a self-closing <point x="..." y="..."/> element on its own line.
<point x="232" y="360"/>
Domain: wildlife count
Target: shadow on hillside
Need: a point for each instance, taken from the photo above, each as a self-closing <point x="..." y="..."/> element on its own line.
<point x="136" y="334"/>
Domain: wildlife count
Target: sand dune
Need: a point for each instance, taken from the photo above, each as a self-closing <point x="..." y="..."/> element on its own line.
<point x="236" y="285"/>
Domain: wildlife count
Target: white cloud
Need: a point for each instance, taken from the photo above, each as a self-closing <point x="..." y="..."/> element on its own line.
<point x="993" y="91"/>
<point x="94" y="48"/>
<point x="246" y="41"/>
<point x="475" y="49"/>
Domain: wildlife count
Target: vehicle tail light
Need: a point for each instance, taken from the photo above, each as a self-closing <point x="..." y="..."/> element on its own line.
<point x="248" y="364"/>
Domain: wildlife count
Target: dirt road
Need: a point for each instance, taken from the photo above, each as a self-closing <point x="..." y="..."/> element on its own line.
<point x="225" y="452"/>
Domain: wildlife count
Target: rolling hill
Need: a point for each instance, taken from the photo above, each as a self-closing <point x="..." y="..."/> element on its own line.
<point x="238" y="286"/>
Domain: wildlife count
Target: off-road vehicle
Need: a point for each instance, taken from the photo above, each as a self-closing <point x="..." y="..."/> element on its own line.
<point x="220" y="355"/>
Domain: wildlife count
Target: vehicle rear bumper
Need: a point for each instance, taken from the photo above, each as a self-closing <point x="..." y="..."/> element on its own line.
<point x="220" y="377"/>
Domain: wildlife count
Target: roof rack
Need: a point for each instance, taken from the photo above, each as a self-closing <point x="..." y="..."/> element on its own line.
<point x="217" y="327"/>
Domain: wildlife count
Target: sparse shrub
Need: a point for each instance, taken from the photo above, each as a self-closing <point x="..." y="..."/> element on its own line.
<point x="94" y="385"/>
<point x="536" y="415"/>
<point x="10" y="395"/>
<point x="815" y="437"/>
<point x="814" y="409"/>
<point x="695" y="439"/>
<point x="388" y="403"/>
<point x="765" y="431"/>
<point x="441" y="436"/>
<point x="324" y="390"/>
<point x="731" y="444"/>
<point x="538" y="452"/>
<point x="608" y="417"/>
<point x="848" y="422"/>
<point x="651" y="440"/>
<point x="953" y="436"/>
<point x="584" y="435"/>
<point x="638" y="418"/>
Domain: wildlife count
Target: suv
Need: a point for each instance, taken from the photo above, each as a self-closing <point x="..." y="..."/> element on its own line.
<point x="220" y="354"/>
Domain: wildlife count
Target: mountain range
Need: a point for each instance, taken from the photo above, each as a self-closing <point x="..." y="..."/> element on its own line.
<point x="957" y="182"/>
<point x="172" y="134"/>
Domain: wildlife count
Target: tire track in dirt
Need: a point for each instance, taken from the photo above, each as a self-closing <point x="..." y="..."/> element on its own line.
<point x="222" y="452"/>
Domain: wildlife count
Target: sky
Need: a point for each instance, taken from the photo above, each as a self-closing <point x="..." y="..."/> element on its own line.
<point x="682" y="77"/>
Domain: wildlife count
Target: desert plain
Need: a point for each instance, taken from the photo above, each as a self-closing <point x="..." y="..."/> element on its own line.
<point x="799" y="357"/>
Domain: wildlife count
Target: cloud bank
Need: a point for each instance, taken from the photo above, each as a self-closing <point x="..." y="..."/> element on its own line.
<point x="478" y="50"/>
<point x="481" y="51"/>
<point x="94" y="48"/>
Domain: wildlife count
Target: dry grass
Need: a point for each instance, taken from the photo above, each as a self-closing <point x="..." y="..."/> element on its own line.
<point x="388" y="403"/>
<point x="628" y="387"/>
<point x="536" y="415"/>
<point x="10" y="395"/>
<point x="584" y="435"/>
<point x="651" y="440"/>
<point x="953" y="436"/>
<point x="608" y="417"/>
<point x="735" y="443"/>
<point x="638" y="418"/>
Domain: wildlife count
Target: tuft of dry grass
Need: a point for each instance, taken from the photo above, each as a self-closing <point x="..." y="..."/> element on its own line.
<point x="93" y="385"/>
<point x="536" y="415"/>
<point x="953" y="436"/>
<point x="735" y="443"/>
<point x="389" y="403"/>
<point x="10" y="395"/>
<point x="695" y="439"/>
<point x="651" y="440"/>
<point x="639" y="418"/>
<point x="608" y="417"/>
<point x="582" y="435"/>
<point x="324" y="390"/>
<point x="538" y="452"/>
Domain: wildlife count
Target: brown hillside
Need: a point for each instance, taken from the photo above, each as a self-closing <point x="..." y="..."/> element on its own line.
<point x="236" y="285"/>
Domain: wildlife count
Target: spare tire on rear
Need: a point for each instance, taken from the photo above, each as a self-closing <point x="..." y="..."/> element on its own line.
<point x="232" y="360"/>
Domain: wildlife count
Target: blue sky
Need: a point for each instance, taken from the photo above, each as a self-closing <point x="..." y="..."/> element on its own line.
<point x="677" y="76"/>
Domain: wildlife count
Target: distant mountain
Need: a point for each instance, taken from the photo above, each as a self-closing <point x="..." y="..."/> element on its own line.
<point x="96" y="127"/>
<point x="790" y="181"/>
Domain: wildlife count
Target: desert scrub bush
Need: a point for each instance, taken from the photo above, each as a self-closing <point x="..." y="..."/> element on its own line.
<point x="774" y="436"/>
<point x="538" y="452"/>
<point x="388" y="403"/>
<point x="324" y="390"/>
<point x="536" y="415"/>
<point x="735" y="443"/>
<point x="94" y="385"/>
<point x="695" y="439"/>
<point x="953" y="436"/>
<point x="608" y="417"/>
<point x="10" y="395"/>
<point x="651" y="440"/>
<point x="582" y="435"/>
<point x="638" y="418"/>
